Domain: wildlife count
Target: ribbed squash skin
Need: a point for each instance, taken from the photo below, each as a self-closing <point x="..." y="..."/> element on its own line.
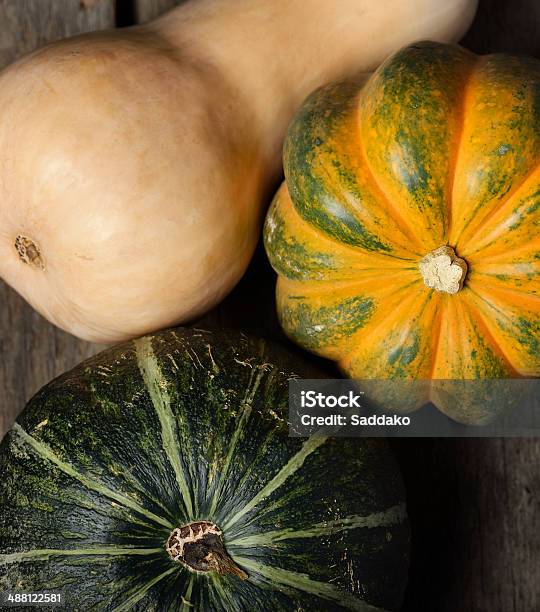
<point x="108" y="459"/>
<point x="438" y="147"/>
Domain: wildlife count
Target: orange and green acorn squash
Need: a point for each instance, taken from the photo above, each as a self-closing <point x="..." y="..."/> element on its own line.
<point x="405" y="236"/>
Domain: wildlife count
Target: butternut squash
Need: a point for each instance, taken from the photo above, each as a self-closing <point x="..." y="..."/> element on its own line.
<point x="135" y="164"/>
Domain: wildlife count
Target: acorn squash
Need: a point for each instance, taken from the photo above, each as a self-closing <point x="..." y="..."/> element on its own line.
<point x="405" y="237"/>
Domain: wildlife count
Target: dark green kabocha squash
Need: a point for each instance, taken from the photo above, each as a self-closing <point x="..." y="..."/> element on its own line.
<point x="159" y="475"/>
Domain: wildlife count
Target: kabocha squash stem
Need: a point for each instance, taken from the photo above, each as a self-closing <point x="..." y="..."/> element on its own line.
<point x="199" y="546"/>
<point x="141" y="160"/>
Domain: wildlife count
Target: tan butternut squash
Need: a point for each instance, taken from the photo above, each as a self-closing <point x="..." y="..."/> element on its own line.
<point x="135" y="164"/>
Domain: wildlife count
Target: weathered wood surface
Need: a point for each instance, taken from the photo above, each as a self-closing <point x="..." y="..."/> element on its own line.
<point x="474" y="504"/>
<point x="26" y="25"/>
<point x="144" y="10"/>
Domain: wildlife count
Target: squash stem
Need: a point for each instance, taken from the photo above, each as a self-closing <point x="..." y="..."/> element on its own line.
<point x="199" y="546"/>
<point x="223" y="564"/>
<point x="443" y="270"/>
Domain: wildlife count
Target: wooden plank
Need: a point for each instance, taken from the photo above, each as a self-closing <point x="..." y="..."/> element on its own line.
<point x="31" y="350"/>
<point x="26" y="25"/>
<point x="506" y="27"/>
<point x="474" y="506"/>
<point x="145" y="10"/>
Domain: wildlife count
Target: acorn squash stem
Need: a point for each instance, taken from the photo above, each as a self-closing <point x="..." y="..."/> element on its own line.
<point x="443" y="270"/>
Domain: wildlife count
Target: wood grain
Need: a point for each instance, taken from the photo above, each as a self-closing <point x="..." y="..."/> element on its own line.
<point x="502" y="26"/>
<point x="26" y="25"/>
<point x="145" y="10"/>
<point x="475" y="513"/>
<point x="474" y="503"/>
<point x="32" y="352"/>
